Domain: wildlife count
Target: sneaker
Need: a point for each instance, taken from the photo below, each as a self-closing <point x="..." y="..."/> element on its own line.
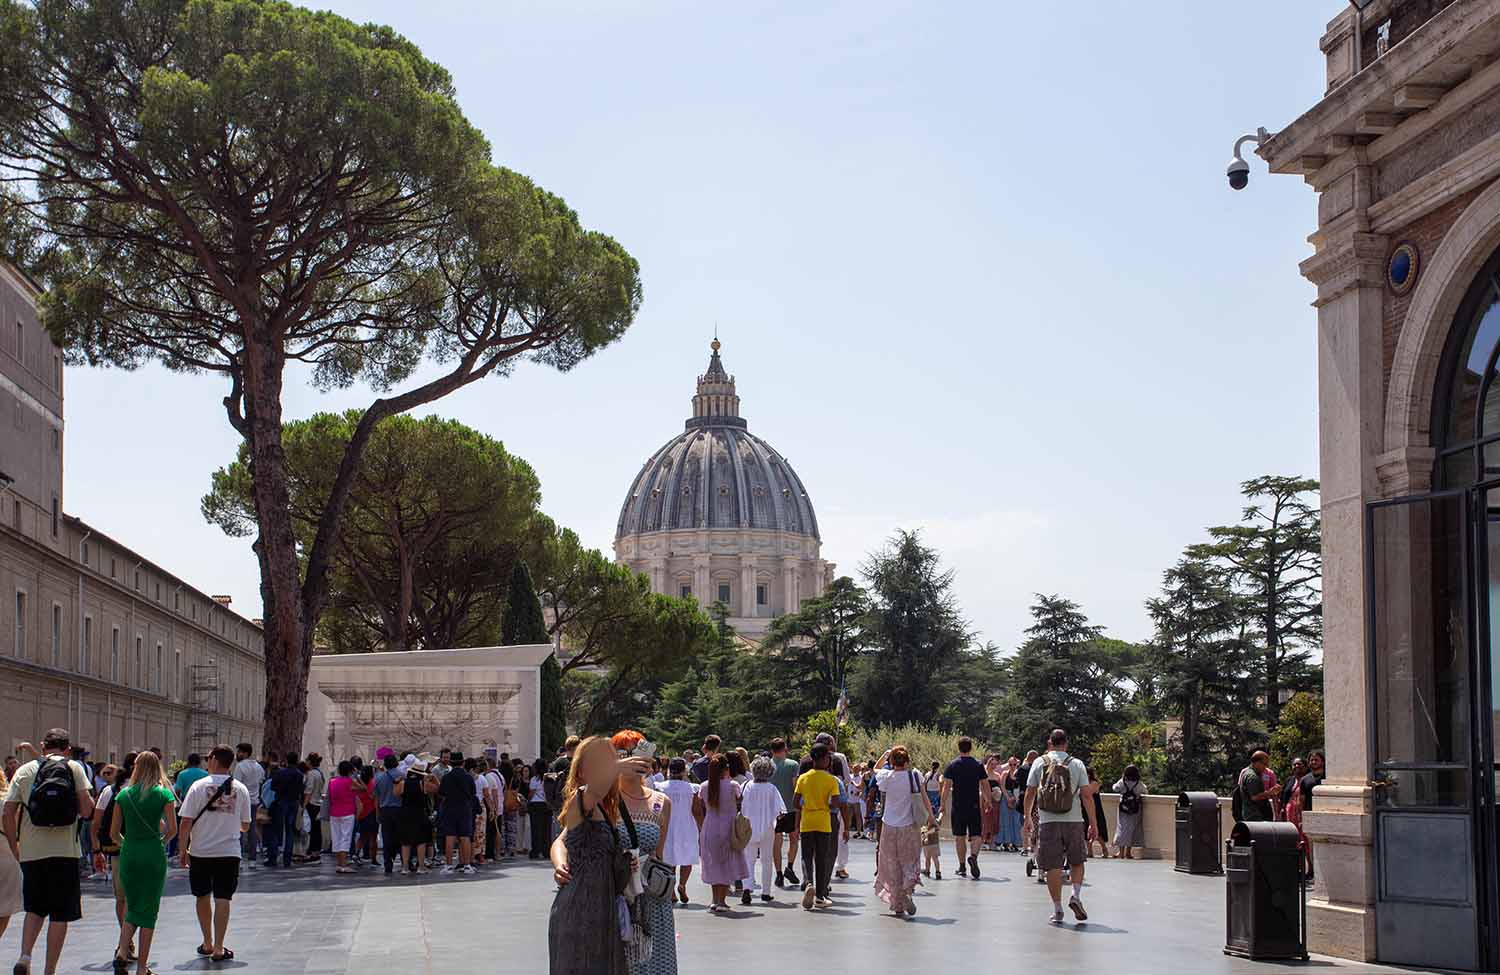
<point x="963" y="871"/>
<point x="1030" y="867"/>
<point x="937" y="874"/>
<point x="1057" y="916"/>
<point x="791" y="877"/>
<point x="745" y="896"/>
<point x="766" y="898"/>
<point x="23" y="967"/>
<point x="469" y="869"/>
<point x="781" y="880"/>
<point x="911" y="907"/>
<point x="447" y="868"/>
<point x="808" y="899"/>
<point x="823" y="902"/>
<point x="1076" y="906"/>
<point x="974" y="867"/>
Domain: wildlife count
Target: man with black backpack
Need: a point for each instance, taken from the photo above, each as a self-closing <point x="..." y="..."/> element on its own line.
<point x="46" y="800"/>
<point x="1054" y="790"/>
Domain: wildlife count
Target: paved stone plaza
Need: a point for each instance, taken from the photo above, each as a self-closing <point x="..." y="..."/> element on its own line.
<point x="1144" y="918"/>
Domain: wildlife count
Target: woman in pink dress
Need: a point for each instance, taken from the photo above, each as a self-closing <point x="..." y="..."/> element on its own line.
<point x="716" y="805"/>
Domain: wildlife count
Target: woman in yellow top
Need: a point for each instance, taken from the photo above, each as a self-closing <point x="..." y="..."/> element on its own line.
<point x="817" y="792"/>
<point x="147" y="819"/>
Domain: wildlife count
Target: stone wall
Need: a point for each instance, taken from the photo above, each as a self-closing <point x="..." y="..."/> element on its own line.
<point x="1159" y="827"/>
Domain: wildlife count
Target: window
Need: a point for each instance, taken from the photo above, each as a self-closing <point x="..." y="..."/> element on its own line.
<point x="20" y="623"/>
<point x="193" y="610"/>
<point x="21" y="341"/>
<point x="56" y="635"/>
<point x="177" y="674"/>
<point x="56" y="440"/>
<point x="177" y="602"/>
<point x="160" y="659"/>
<point x="762" y="594"/>
<point x="724" y="593"/>
<point x="111" y="566"/>
<point x="158" y="592"/>
<point x="137" y="580"/>
<point x="85" y="553"/>
<point x="57" y="372"/>
<point x="54" y="516"/>
<point x="686" y="592"/>
<point x="86" y="652"/>
<point x="114" y="654"/>
<point x="17" y="513"/>
<point x="140" y="663"/>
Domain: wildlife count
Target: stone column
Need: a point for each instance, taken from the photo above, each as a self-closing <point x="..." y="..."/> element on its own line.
<point x="1349" y="270"/>
<point x="788" y="585"/>
<point x="748" y="606"/>
<point x="658" y="572"/>
<point x="701" y="580"/>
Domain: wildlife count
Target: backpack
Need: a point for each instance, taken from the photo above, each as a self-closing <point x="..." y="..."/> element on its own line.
<point x="1237" y="797"/>
<point x="54" y="794"/>
<point x="1130" y="801"/>
<point x="1056" y="792"/>
<point x="552" y="787"/>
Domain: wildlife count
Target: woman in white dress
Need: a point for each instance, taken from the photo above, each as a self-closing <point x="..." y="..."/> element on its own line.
<point x="682" y="830"/>
<point x="762" y="805"/>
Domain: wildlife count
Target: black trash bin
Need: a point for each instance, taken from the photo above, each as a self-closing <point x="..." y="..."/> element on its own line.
<point x="1198" y="833"/>
<point x="1265" y="904"/>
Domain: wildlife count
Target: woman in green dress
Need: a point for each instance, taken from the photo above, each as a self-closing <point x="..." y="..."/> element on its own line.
<point x="146" y="822"/>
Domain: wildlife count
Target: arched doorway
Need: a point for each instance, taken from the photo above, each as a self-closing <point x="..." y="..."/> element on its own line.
<point x="1434" y="576"/>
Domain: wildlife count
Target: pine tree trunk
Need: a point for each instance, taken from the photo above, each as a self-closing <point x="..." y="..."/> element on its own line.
<point x="288" y="643"/>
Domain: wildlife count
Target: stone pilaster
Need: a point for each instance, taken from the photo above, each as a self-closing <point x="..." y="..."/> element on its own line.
<point x="748" y="606"/>
<point x="1349" y="272"/>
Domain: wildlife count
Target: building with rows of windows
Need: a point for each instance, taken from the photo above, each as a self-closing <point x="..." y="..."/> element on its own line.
<point x="94" y="637"/>
<point x="717" y="514"/>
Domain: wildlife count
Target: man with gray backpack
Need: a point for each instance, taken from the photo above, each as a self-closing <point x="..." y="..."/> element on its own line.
<point x="1054" y="791"/>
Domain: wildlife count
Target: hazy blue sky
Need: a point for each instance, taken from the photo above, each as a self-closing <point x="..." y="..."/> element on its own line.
<point x="975" y="266"/>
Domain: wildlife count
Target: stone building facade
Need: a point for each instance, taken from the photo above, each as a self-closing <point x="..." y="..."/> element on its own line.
<point x="719" y="515"/>
<point x="1403" y="151"/>
<point x="94" y="637"/>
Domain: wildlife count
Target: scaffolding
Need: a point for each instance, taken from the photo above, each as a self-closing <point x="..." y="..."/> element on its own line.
<point x="204" y="706"/>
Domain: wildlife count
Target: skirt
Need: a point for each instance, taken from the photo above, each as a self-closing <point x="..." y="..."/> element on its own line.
<point x="898" y="864"/>
<point x="1128" y="831"/>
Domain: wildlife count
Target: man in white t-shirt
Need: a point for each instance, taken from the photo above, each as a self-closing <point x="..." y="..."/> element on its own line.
<point x="214" y="814"/>
<point x="1063" y="836"/>
<point x="252" y="775"/>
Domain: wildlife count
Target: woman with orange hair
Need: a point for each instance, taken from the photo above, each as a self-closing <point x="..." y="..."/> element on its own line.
<point x="650" y="812"/>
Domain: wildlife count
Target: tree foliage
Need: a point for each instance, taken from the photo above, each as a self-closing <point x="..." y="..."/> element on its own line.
<point x="240" y="187"/>
<point x="1300" y="732"/>
<point x="813" y="648"/>
<point x="915" y="631"/>
<point x="437" y="515"/>
<point x="524" y="625"/>
<point x="1274" y="560"/>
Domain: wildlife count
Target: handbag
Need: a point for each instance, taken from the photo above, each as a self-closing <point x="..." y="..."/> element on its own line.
<point x="657" y="877"/>
<point x="741" y="835"/>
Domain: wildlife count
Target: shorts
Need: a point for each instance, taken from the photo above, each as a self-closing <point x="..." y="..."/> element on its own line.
<point x="342" y="830"/>
<point x="1059" y="843"/>
<point x="219" y="876"/>
<point x="786" y="823"/>
<point x="458" y="823"/>
<point x="50" y="888"/>
<point x="966" y="819"/>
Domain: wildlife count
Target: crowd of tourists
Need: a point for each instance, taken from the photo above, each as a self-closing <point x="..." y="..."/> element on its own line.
<point x="623" y="827"/>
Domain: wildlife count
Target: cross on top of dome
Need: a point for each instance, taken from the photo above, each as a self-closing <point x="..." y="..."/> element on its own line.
<point x="716" y="403"/>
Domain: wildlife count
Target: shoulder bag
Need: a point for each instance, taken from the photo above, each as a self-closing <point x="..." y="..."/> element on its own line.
<point x="656" y="876"/>
<point x="742" y="832"/>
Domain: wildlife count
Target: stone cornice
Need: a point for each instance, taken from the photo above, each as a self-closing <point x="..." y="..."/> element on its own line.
<point x="1351" y="260"/>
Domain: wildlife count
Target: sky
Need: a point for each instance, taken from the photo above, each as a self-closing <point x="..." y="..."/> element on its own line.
<point x="976" y="268"/>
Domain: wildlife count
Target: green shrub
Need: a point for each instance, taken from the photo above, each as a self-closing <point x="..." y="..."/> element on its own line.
<point x="926" y="744"/>
<point x="1299" y="731"/>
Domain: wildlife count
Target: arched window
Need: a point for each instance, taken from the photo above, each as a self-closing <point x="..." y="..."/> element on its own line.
<point x="1466" y="411"/>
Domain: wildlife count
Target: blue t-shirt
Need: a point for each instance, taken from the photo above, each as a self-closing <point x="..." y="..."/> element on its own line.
<point x="286" y="784"/>
<point x="385" y="790"/>
<point x="186" y="778"/>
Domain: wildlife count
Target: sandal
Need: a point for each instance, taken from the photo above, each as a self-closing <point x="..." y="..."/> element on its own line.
<point x="227" y="956"/>
<point x="682" y="892"/>
<point x="205" y="950"/>
<point x="120" y="965"/>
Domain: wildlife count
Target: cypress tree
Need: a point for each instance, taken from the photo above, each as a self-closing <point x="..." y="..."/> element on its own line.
<point x="524" y="624"/>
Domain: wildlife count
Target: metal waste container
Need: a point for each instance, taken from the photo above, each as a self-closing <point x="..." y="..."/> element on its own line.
<point x="1265" y="904"/>
<point x="1198" y="833"/>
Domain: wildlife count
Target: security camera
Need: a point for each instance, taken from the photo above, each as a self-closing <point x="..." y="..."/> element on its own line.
<point x="1239" y="170"/>
<point x="1239" y="174"/>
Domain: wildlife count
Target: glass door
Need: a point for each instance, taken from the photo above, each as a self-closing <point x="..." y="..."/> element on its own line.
<point x="1420" y="562"/>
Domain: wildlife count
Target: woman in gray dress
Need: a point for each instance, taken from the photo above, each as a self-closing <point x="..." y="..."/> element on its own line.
<point x="1128" y="826"/>
<point x="583" y="932"/>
